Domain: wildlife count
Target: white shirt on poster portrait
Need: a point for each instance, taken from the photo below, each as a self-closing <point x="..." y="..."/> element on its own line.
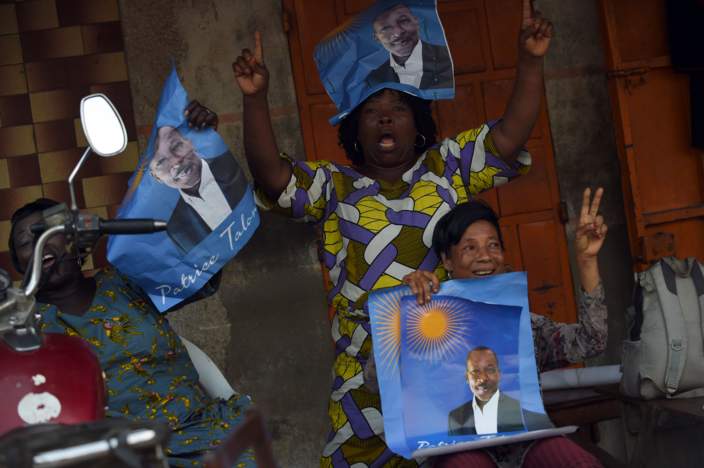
<point x="486" y="419"/>
<point x="211" y="204"/>
<point x="411" y="72"/>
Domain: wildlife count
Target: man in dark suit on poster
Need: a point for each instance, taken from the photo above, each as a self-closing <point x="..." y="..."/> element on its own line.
<point x="490" y="411"/>
<point x="209" y="188"/>
<point x="411" y="61"/>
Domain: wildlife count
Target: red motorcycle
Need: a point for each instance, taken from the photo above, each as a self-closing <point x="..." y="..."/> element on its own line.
<point x="53" y="404"/>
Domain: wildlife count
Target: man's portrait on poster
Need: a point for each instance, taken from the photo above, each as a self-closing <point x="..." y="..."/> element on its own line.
<point x="208" y="188"/>
<point x="411" y="61"/>
<point x="490" y="410"/>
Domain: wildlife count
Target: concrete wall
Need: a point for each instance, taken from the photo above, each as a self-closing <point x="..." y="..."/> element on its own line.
<point x="267" y="327"/>
<point x="584" y="143"/>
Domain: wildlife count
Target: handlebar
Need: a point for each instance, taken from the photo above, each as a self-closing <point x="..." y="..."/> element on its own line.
<point x="36" y="270"/>
<point x="131" y="226"/>
<point x="91" y="450"/>
<point x="86" y="229"/>
<point x="83" y="230"/>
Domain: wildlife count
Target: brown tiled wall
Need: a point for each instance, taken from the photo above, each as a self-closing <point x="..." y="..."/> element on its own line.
<point x="52" y="53"/>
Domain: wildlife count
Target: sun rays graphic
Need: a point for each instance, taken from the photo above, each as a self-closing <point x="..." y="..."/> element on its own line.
<point x="437" y="329"/>
<point x="388" y="315"/>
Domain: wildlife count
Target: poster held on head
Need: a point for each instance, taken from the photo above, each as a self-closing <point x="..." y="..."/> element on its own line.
<point x="392" y="44"/>
<point x="189" y="178"/>
<point x="458" y="373"/>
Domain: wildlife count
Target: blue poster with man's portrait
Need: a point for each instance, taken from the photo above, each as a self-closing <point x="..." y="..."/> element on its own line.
<point x="393" y="44"/>
<point x="459" y="372"/>
<point x="190" y="179"/>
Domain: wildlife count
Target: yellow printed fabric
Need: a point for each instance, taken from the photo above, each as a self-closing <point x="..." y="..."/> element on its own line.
<point x="374" y="233"/>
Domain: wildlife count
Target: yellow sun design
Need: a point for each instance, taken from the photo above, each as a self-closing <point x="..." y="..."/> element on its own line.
<point x="437" y="329"/>
<point x="388" y="315"/>
<point x="433" y="324"/>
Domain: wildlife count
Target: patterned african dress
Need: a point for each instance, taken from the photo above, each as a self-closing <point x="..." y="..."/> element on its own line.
<point x="374" y="233"/>
<point x="148" y="373"/>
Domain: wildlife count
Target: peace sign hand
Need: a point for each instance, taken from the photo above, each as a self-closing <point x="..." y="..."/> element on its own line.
<point x="536" y="31"/>
<point x="250" y="72"/>
<point x="591" y="231"/>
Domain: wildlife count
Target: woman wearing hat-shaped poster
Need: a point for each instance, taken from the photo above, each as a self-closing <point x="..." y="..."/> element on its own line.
<point x="379" y="212"/>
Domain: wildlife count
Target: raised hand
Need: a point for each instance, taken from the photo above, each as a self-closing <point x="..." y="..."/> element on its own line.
<point x="536" y="31"/>
<point x="591" y="230"/>
<point x="423" y="284"/>
<point x="250" y="72"/>
<point x="199" y="116"/>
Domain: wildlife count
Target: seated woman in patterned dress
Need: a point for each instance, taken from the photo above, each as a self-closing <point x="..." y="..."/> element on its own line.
<point x="148" y="373"/>
<point x="469" y="243"/>
<point x="377" y="214"/>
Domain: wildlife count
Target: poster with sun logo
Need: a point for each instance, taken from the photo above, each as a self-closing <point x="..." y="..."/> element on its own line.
<point x="458" y="372"/>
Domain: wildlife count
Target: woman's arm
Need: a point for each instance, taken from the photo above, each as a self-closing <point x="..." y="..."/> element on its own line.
<point x="522" y="109"/>
<point x="270" y="172"/>
<point x="558" y="344"/>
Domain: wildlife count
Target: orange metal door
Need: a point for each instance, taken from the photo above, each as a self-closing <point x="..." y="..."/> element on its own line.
<point x="662" y="175"/>
<point x="482" y="36"/>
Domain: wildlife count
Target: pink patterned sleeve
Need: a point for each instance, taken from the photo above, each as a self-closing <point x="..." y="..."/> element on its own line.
<point x="559" y="344"/>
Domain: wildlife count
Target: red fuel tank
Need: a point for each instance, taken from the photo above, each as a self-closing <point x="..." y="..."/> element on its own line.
<point x="61" y="382"/>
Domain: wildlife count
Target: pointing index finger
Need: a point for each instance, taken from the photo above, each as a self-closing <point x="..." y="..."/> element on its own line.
<point x="258" y="49"/>
<point x="527" y="10"/>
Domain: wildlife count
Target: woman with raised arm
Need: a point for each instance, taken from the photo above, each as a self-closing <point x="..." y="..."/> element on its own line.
<point x="378" y="213"/>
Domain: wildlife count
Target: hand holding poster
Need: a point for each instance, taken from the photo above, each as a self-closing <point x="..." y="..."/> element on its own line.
<point x="393" y="44"/>
<point x="458" y="372"/>
<point x="190" y="179"/>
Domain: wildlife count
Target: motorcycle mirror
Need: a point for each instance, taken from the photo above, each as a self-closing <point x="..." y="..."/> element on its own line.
<point x="104" y="131"/>
<point x="102" y="125"/>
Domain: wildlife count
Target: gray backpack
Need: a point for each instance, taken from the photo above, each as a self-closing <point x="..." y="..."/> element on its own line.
<point x="664" y="356"/>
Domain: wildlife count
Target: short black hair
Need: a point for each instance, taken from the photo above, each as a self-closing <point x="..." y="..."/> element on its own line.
<point x="38" y="205"/>
<point x="422" y="116"/>
<point x="483" y="348"/>
<point x="450" y="228"/>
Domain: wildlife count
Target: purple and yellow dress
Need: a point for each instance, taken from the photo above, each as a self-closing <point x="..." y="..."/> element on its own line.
<point x="374" y="233"/>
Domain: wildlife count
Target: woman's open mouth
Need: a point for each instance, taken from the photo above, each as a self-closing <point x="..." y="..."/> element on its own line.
<point x="387" y="142"/>
<point x="48" y="260"/>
